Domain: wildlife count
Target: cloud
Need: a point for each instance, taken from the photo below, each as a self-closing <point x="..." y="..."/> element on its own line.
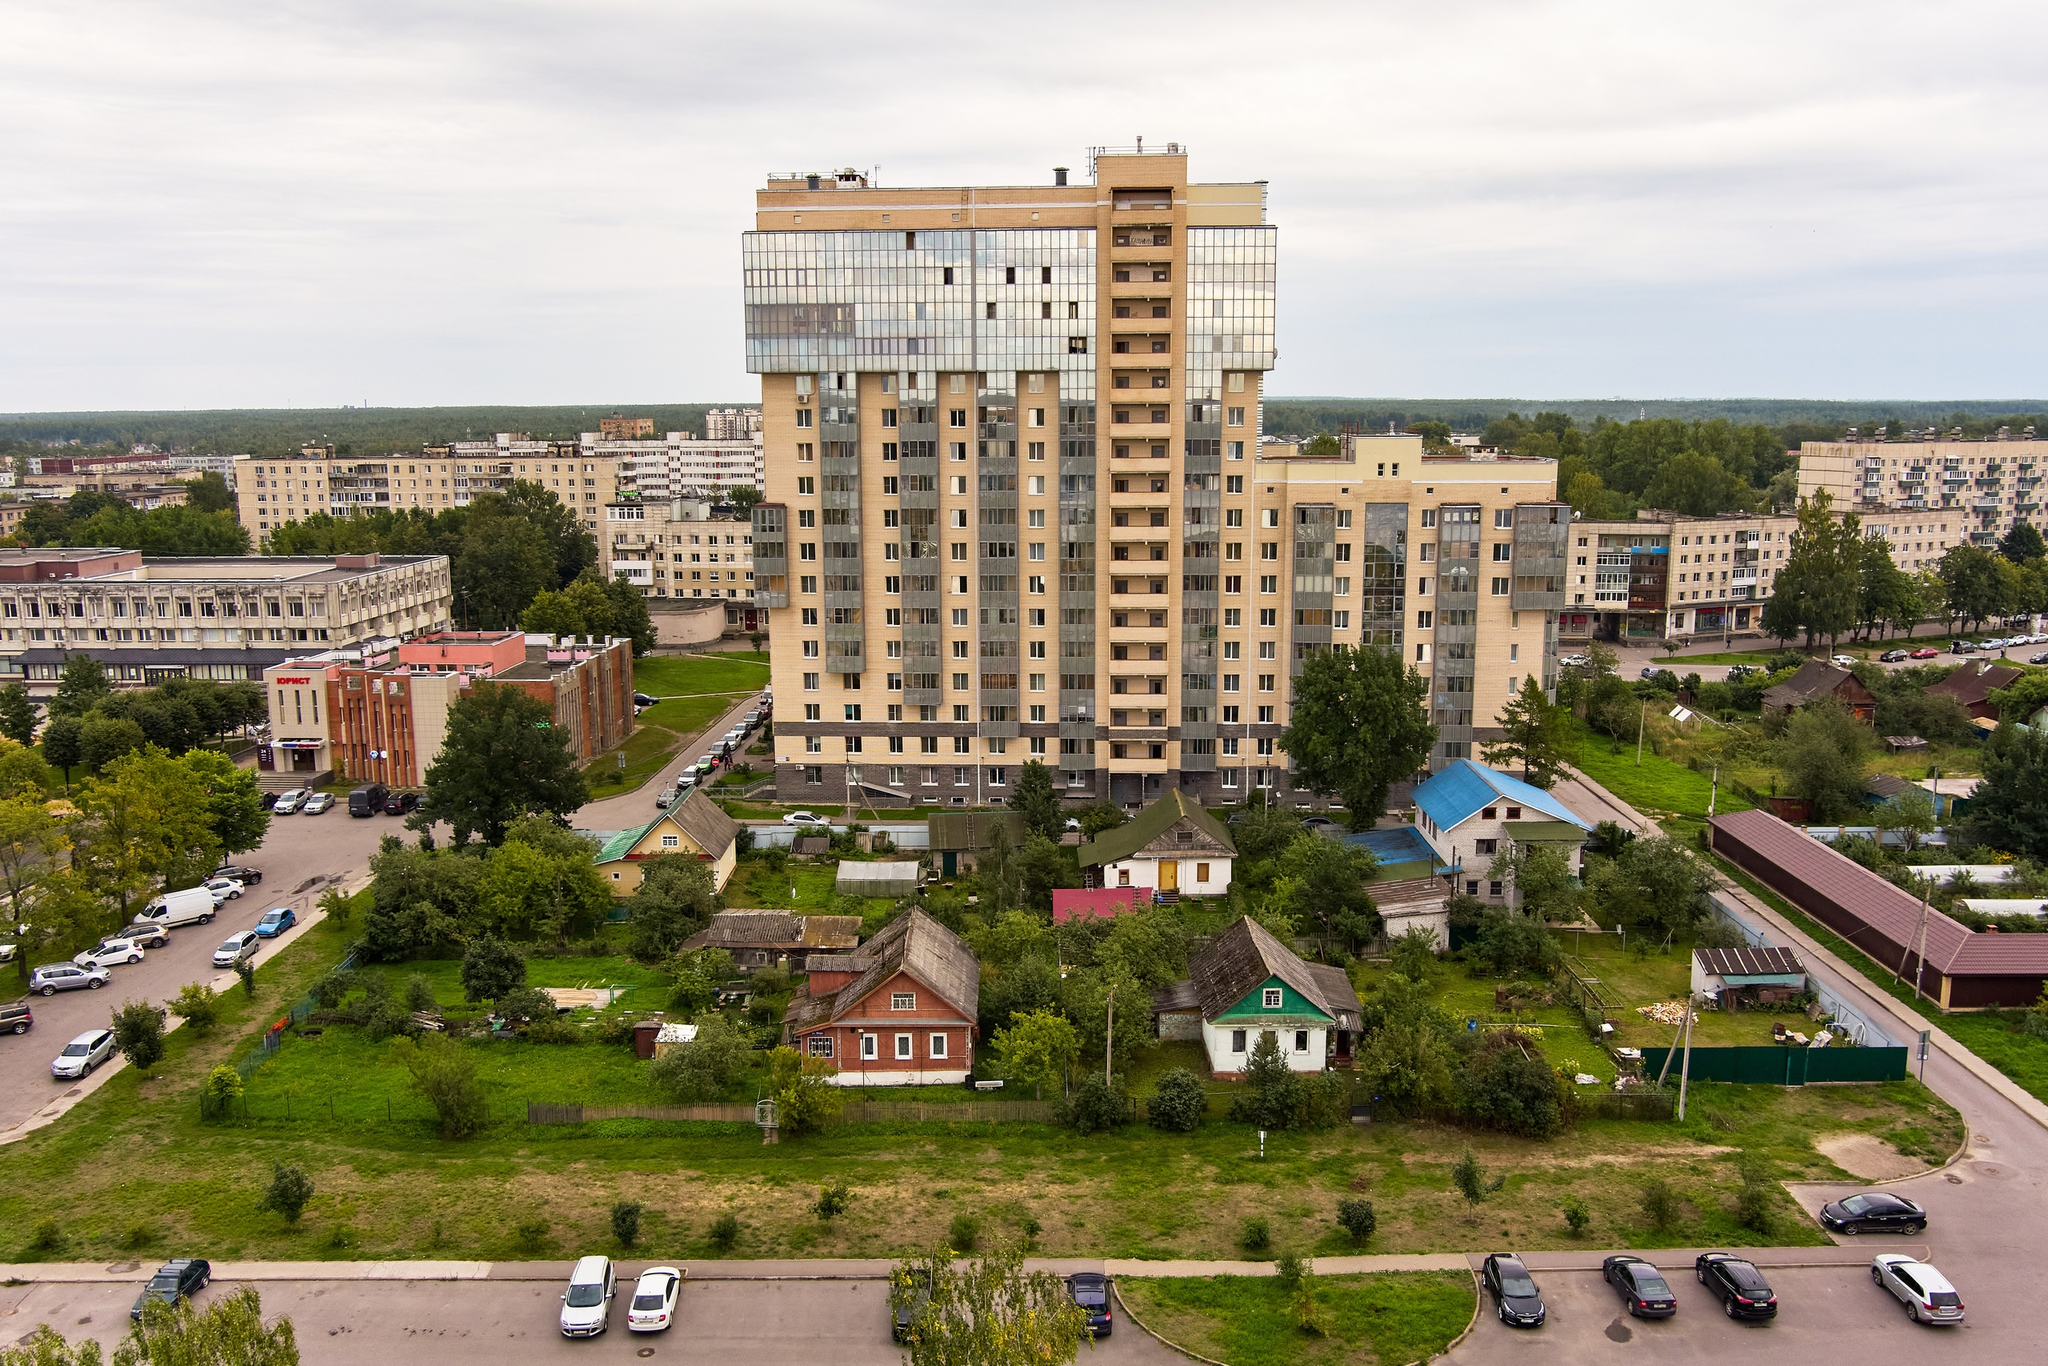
<point x="219" y="204"/>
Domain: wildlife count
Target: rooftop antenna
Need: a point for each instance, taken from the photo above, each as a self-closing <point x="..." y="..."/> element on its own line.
<point x="1141" y="142"/>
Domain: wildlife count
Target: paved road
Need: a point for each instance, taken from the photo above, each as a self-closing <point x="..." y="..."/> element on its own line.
<point x="449" y="1323"/>
<point x="637" y="807"/>
<point x="300" y="858"/>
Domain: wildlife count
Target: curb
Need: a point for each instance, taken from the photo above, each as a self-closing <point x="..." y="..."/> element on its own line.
<point x="1478" y="1301"/>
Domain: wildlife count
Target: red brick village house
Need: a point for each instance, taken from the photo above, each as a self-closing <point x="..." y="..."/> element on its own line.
<point x="899" y="1011"/>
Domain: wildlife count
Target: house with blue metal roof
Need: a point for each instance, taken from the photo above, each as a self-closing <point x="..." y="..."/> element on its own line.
<point x="1468" y="813"/>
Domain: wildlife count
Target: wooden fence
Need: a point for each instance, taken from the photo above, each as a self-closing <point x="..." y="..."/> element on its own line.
<point x="854" y="1112"/>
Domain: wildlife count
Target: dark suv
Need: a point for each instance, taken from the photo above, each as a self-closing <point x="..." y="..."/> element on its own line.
<point x="178" y="1279"/>
<point x="401" y="803"/>
<point x="1090" y="1291"/>
<point x="16" y="1017"/>
<point x="1742" y="1289"/>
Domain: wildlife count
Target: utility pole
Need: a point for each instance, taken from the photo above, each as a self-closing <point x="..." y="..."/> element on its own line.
<point x="1109" y="1038"/>
<point x="1920" y="957"/>
<point x="1713" y="791"/>
<point x="1685" y="1068"/>
<point x="1641" y="722"/>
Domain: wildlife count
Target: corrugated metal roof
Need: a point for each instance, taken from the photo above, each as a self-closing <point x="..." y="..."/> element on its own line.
<point x="1465" y="787"/>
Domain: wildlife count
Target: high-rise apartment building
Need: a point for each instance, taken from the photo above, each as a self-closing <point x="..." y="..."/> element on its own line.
<point x="270" y="491"/>
<point x="679" y="465"/>
<point x="1017" y="505"/>
<point x="1668" y="576"/>
<point x="731" y="424"/>
<point x="1925" y="494"/>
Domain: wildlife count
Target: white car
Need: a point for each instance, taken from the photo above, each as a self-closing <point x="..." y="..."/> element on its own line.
<point x="1925" y="1292"/>
<point x="109" y="952"/>
<point x="1845" y="661"/>
<point x="654" y="1300"/>
<point x="587" y="1303"/>
<point x="94" y="1047"/>
<point x="806" y="818"/>
<point x="223" y="889"/>
<point x="317" y="803"/>
<point x="291" y="801"/>
<point x="236" y="948"/>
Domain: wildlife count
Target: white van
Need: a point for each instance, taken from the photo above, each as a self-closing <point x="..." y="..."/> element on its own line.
<point x="192" y="906"/>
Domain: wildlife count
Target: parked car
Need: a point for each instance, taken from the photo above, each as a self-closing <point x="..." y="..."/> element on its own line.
<point x="587" y="1303"/>
<point x="270" y="800"/>
<point x="401" y="803"/>
<point x="1743" y="1291"/>
<point x="148" y="936"/>
<point x="1738" y="672"/>
<point x="1873" y="1212"/>
<point x="248" y="877"/>
<point x="2041" y="658"/>
<point x="806" y="818"/>
<point x="178" y="1279"/>
<point x="1642" y="1287"/>
<point x="1892" y="657"/>
<point x="1090" y="1291"/>
<point x="1962" y="647"/>
<point x="1925" y="652"/>
<point x="905" y="1315"/>
<point x="16" y="1017"/>
<point x="368" y="799"/>
<point x="1575" y="661"/>
<point x="223" y="889"/>
<point x="1925" y="1292"/>
<point x="1317" y="823"/>
<point x="317" y="803"/>
<point x="275" y="922"/>
<point x="753" y="718"/>
<point x="1513" y="1289"/>
<point x="290" y="801"/>
<point x="705" y="764"/>
<point x="82" y="1054"/>
<point x="52" y="978"/>
<point x="1844" y="661"/>
<point x="109" y="953"/>
<point x="667" y="796"/>
<point x="186" y="906"/>
<point x="236" y="948"/>
<point x="653" y="1306"/>
<point x="641" y="699"/>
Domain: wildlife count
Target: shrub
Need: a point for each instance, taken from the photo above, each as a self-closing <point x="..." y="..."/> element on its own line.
<point x="531" y="1236"/>
<point x="725" y="1231"/>
<point x="1356" y="1218"/>
<point x="805" y="1098"/>
<point x="1179" y="1103"/>
<point x="1470" y="1179"/>
<point x="247" y="972"/>
<point x="1256" y="1235"/>
<point x="330" y="991"/>
<point x="832" y="1201"/>
<point x="444" y="1072"/>
<point x="1290" y="1266"/>
<point x="1660" y="1205"/>
<point x="1575" y="1215"/>
<point x="962" y="1233"/>
<point x="1271" y="1094"/>
<point x="701" y="1069"/>
<point x="1096" y="1105"/>
<point x="223" y="1089"/>
<point x="419" y="994"/>
<point x="527" y="1003"/>
<point x="385" y="1018"/>
<point x="289" y="1191"/>
<point x="1504" y="1088"/>
<point x="1753" y="1200"/>
<point x="198" y="1005"/>
<point x="554" y="1030"/>
<point x="139" y="1034"/>
<point x="626" y="1222"/>
<point x="49" y="1236"/>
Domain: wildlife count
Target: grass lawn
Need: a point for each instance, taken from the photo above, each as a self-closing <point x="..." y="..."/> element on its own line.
<point x="688" y="716"/>
<point x="648" y="751"/>
<point x="755" y="887"/>
<point x="682" y="675"/>
<point x="1658" y="788"/>
<point x="1388" y="1318"/>
<point x="1684" y="664"/>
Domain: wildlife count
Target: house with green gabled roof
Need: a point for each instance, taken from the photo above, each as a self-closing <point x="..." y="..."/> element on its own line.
<point x="696" y="826"/>
<point x="1173" y="846"/>
<point x="1247" y="984"/>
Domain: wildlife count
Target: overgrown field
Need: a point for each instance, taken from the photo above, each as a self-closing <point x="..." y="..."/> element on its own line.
<point x="1389" y="1317"/>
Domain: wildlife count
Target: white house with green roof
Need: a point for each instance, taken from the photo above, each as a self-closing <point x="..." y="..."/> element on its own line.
<point x="1172" y="846"/>
<point x="1247" y="984"/>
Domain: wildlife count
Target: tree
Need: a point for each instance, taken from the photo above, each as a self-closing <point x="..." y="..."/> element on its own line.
<point x="1270" y="1094"/>
<point x="1406" y="1066"/>
<point x="1470" y="1179"/>
<point x="541" y="883"/>
<point x="988" y="1311"/>
<point x="233" y="803"/>
<point x="2010" y="811"/>
<point x="1514" y="943"/>
<point x="698" y="974"/>
<point x="209" y="492"/>
<point x="1657" y="883"/>
<point x="60" y="916"/>
<point x="82" y="685"/>
<point x="675" y="899"/>
<point x="1822" y="755"/>
<point x="743" y="497"/>
<point x="1887" y="596"/>
<point x="23" y="772"/>
<point x="1323" y="883"/>
<point x="62" y="745"/>
<point x="1356" y="1218"/>
<point x="2023" y="544"/>
<point x="198" y="1006"/>
<point x="1036" y="799"/>
<point x="142" y="829"/>
<point x="139" y="1034"/>
<point x="1038" y="1047"/>
<point x="289" y="1192"/>
<point x="1178" y="1102"/>
<point x="491" y="969"/>
<point x="1535" y="734"/>
<point x="1503" y="1086"/>
<point x="1358" y="724"/>
<point x="1538" y="879"/>
<point x="630" y="617"/>
<point x="1973" y="591"/>
<point x="31" y="843"/>
<point x="444" y="1072"/>
<point x="227" y="1332"/>
<point x="503" y="758"/>
<point x="702" y="1068"/>
<point x="17" y="714"/>
<point x="1911" y="814"/>
<point x="805" y="1097"/>
<point x="626" y="1222"/>
<point x="575" y="550"/>
<point x="1821" y="596"/>
<point x="103" y="739"/>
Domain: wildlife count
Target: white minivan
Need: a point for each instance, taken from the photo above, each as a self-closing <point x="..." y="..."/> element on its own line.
<point x="192" y="906"/>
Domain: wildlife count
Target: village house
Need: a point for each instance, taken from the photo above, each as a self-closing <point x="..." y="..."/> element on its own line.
<point x="1814" y="681"/>
<point x="1173" y="846"/>
<point x="760" y="939"/>
<point x="696" y="826"/>
<point x="1468" y="813"/>
<point x="959" y="838"/>
<point x="900" y="1011"/>
<point x="1971" y="685"/>
<point x="1247" y="984"/>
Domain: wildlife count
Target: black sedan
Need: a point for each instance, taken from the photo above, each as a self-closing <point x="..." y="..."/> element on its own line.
<point x="1744" y="1292"/>
<point x="1873" y="1212"/>
<point x="1090" y="1291"/>
<point x="178" y="1279"/>
<point x="641" y="699"/>
<point x="1893" y="657"/>
<point x="248" y="877"/>
<point x="1642" y="1287"/>
<point x="1513" y="1290"/>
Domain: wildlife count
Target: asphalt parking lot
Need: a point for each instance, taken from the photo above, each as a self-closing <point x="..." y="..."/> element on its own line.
<point x="343" y="1323"/>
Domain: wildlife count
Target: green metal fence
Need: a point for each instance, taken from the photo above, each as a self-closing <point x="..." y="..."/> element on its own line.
<point x="1772" y="1066"/>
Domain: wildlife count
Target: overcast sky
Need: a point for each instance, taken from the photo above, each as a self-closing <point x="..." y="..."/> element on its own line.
<point x="539" y="201"/>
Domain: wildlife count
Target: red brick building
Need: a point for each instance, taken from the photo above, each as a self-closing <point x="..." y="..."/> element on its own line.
<point x="898" y="1011"/>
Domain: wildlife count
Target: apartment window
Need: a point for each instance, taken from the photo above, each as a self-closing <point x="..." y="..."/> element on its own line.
<point x="810" y="682"/>
<point x="1236" y="417"/>
<point x="1500" y="588"/>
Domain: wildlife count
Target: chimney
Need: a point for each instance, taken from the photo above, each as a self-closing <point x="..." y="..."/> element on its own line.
<point x="1059" y="175"/>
